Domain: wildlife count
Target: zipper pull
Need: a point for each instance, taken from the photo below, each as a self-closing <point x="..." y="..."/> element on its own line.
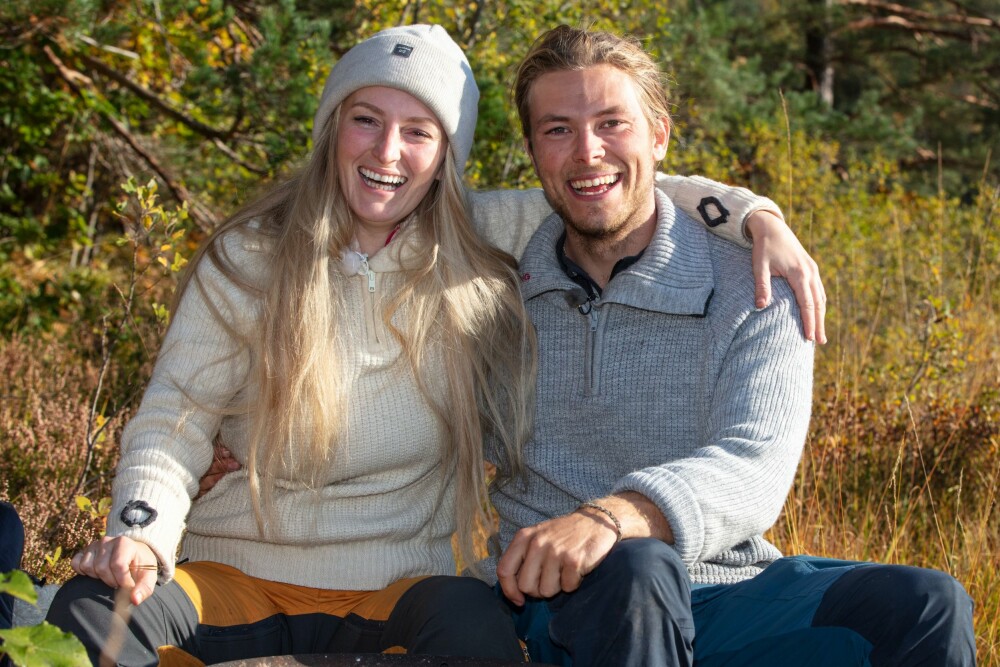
<point x="367" y="271"/>
<point x="592" y="312"/>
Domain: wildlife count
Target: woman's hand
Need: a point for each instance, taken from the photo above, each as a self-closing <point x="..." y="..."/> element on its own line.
<point x="223" y="463"/>
<point x="777" y="252"/>
<point x="120" y="562"/>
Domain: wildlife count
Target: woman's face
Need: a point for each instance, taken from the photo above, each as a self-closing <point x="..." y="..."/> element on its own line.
<point x="390" y="148"/>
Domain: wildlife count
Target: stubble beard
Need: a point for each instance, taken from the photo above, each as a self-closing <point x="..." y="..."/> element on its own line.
<point x="603" y="228"/>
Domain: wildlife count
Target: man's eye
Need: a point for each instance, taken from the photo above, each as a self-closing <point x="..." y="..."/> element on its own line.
<point x="557" y="130"/>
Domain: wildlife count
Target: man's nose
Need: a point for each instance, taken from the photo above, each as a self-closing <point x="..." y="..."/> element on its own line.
<point x="589" y="146"/>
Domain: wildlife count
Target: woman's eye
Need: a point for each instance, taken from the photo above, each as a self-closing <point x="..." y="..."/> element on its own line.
<point x="423" y="135"/>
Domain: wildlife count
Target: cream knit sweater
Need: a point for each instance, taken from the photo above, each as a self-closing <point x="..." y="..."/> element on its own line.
<point x="385" y="510"/>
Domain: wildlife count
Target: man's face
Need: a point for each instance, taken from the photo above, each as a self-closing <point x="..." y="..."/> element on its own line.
<point x="594" y="150"/>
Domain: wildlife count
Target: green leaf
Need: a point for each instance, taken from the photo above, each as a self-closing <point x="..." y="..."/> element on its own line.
<point x="19" y="585"/>
<point x="43" y="646"/>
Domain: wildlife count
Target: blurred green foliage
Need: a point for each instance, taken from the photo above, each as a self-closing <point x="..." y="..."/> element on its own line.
<point x="213" y="98"/>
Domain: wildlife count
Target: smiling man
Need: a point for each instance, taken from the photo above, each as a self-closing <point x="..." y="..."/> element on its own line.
<point x="670" y="420"/>
<point x="596" y="155"/>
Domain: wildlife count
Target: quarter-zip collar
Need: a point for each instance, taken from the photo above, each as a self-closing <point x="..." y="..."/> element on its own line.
<point x="397" y="255"/>
<point x="399" y="251"/>
<point x="581" y="277"/>
<point x="674" y="275"/>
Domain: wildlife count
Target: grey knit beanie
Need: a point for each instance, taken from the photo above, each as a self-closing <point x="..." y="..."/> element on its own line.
<point x="421" y="60"/>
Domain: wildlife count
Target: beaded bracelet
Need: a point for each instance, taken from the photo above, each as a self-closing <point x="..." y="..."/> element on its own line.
<point x="604" y="510"/>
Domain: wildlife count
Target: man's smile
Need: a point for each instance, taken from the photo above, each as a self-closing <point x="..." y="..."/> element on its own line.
<point x="597" y="185"/>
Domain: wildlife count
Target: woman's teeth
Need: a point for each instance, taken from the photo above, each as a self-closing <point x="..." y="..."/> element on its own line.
<point x="381" y="181"/>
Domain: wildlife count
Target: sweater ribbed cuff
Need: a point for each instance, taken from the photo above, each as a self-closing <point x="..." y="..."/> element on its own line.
<point x="689" y="192"/>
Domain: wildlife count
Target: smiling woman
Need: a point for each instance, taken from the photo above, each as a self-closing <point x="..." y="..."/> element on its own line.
<point x="344" y="336"/>
<point x="390" y="149"/>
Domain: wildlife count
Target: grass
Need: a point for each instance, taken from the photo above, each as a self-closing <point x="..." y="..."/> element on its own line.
<point x="902" y="462"/>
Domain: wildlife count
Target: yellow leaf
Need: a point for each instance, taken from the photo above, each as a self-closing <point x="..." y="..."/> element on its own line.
<point x="83" y="502"/>
<point x="54" y="558"/>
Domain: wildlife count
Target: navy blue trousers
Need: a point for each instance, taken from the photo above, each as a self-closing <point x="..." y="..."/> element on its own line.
<point x="638" y="608"/>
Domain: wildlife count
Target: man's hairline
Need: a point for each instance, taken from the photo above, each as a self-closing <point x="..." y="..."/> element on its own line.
<point x="526" y="123"/>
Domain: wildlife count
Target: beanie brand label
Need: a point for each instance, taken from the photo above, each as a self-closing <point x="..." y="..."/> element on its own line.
<point x="403" y="50"/>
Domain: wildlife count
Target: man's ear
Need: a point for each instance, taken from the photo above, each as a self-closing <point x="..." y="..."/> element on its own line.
<point x="661" y="137"/>
<point x="531" y="154"/>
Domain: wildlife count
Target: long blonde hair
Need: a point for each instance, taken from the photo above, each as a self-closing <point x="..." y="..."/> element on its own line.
<point x="462" y="298"/>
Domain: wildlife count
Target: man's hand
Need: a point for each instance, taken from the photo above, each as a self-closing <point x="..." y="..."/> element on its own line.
<point x="778" y="252"/>
<point x="554" y="556"/>
<point x="222" y="464"/>
<point x="120" y="562"/>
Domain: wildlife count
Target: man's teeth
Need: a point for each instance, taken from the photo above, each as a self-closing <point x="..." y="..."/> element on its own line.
<point x="381" y="181"/>
<point x="594" y="186"/>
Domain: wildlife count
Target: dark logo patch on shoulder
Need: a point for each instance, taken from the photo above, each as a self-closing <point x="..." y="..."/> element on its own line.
<point x="402" y="50"/>
<point x="713" y="212"/>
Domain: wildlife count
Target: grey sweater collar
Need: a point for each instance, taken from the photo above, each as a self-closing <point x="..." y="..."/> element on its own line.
<point x="673" y="277"/>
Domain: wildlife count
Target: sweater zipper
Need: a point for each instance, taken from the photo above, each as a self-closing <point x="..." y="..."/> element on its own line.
<point x="370" y="318"/>
<point x="593" y="363"/>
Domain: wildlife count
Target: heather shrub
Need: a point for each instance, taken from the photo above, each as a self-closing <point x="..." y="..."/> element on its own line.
<point x="44" y="423"/>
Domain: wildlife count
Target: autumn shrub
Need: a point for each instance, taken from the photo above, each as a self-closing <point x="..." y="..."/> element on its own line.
<point x="902" y="463"/>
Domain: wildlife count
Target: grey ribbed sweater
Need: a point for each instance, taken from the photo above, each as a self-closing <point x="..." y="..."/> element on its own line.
<point x="674" y="386"/>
